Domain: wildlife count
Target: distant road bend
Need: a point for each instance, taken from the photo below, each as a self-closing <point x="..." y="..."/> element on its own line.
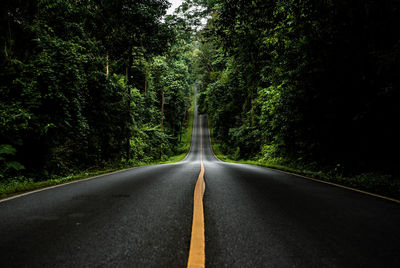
<point x="254" y="217"/>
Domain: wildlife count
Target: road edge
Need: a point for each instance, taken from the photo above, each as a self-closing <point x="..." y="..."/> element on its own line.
<point x="305" y="177"/>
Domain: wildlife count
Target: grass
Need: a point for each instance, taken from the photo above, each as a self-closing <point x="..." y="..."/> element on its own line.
<point x="20" y="185"/>
<point x="376" y="183"/>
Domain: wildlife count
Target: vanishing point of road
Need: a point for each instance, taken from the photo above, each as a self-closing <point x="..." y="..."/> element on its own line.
<point x="251" y="217"/>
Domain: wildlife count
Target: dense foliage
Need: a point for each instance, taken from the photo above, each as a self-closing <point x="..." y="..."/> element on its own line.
<point x="86" y="84"/>
<point x="303" y="81"/>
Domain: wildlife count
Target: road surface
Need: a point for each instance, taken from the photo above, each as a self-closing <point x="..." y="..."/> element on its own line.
<point x="254" y="217"/>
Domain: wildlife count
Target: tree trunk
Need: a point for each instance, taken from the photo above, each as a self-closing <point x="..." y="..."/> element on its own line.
<point x="107" y="72"/>
<point x="162" y="110"/>
<point x="128" y="74"/>
<point x="251" y="103"/>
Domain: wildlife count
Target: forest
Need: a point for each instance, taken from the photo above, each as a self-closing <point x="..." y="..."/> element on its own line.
<point x="87" y="85"/>
<point x="310" y="85"/>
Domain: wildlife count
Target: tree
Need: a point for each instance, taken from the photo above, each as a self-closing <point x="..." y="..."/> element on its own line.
<point x="309" y="78"/>
<point x="60" y="110"/>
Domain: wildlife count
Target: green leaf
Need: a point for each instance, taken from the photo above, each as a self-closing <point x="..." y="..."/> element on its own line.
<point x="7" y="149"/>
<point x="14" y="165"/>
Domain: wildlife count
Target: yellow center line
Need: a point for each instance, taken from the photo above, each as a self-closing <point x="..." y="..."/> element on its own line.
<point x="197" y="240"/>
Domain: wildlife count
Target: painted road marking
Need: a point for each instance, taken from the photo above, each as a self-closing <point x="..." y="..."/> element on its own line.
<point x="337" y="185"/>
<point x="197" y="240"/>
<point x="63" y="184"/>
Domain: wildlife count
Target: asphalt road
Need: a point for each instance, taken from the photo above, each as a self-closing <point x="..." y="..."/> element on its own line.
<point x="254" y="217"/>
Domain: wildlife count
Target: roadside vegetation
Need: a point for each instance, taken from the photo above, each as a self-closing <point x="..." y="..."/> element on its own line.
<point x="376" y="183"/>
<point x="307" y="86"/>
<point x="17" y="185"/>
<point x="186" y="137"/>
<point x="90" y="87"/>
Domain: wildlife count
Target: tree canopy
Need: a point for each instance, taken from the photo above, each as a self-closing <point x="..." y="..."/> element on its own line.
<point x="303" y="81"/>
<point x="83" y="85"/>
<point x="86" y="84"/>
